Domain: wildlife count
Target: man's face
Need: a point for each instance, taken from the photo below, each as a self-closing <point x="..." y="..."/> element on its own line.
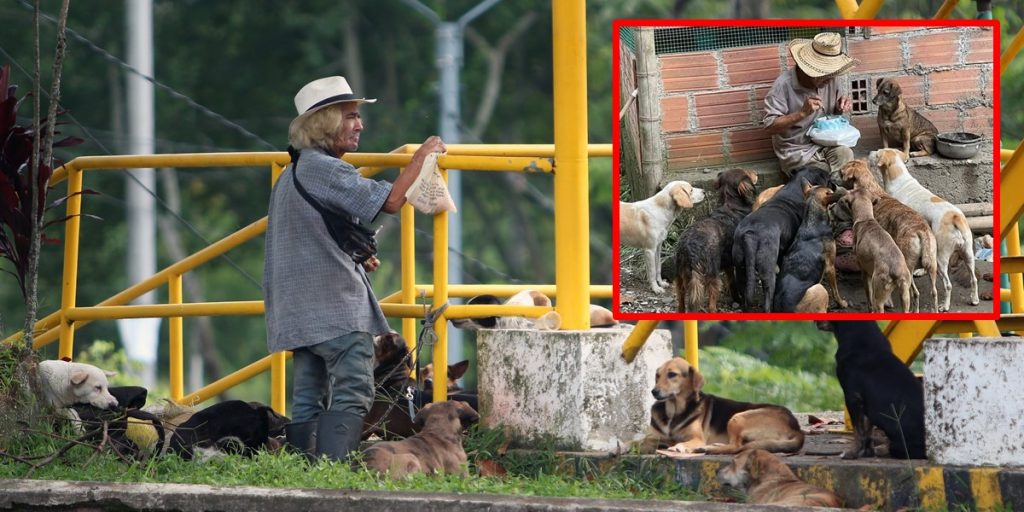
<point x="822" y="81"/>
<point x="347" y="139"/>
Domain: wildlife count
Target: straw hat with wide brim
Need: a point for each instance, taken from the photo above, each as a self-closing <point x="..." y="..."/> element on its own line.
<point x="822" y="56"/>
<point x="324" y="92"/>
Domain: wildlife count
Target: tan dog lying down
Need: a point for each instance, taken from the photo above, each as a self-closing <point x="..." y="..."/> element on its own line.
<point x="64" y="384"/>
<point x="437" y="447"/>
<point x="687" y="420"/>
<point x="766" y="480"/>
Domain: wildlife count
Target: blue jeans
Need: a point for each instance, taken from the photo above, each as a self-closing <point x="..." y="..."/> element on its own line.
<point x="334" y="375"/>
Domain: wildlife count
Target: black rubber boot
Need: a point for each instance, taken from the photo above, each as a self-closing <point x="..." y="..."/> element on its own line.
<point x="301" y="437"/>
<point x="338" y="434"/>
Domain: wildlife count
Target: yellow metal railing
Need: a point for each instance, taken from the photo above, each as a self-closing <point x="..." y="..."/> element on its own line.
<point x="61" y="325"/>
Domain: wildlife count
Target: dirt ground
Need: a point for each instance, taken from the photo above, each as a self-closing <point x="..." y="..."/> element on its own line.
<point x="635" y="296"/>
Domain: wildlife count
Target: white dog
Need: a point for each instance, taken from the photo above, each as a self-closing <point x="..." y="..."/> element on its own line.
<point x="952" y="233"/>
<point x="65" y="384"/>
<point x="644" y="224"/>
<point x="550" y="321"/>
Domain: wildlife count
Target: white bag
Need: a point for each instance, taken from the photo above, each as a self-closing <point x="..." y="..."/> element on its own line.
<point x="833" y="131"/>
<point x="429" y="193"/>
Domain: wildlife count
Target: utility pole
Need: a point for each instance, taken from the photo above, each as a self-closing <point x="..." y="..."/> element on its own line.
<point x="448" y="54"/>
<point x="139" y="336"/>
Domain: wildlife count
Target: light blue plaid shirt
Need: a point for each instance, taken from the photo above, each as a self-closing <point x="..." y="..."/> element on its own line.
<point x="313" y="291"/>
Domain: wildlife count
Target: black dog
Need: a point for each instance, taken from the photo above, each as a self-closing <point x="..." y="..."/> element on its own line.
<point x="811" y="257"/>
<point x="705" y="248"/>
<point x="878" y="389"/>
<point x="130" y="400"/>
<point x="763" y="237"/>
<point x="232" y="426"/>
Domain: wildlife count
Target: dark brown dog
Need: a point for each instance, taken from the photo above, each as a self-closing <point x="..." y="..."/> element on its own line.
<point x="908" y="229"/>
<point x="902" y="127"/>
<point x="705" y="248"/>
<point x="766" y="480"/>
<point x="686" y="420"/>
<point x="389" y="414"/>
<point x="436" y="448"/>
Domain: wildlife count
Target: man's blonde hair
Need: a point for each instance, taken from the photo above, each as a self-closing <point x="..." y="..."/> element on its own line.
<point x="316" y="130"/>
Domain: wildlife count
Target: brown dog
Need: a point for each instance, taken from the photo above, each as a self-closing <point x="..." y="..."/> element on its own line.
<point x="686" y="420"/>
<point x="766" y="480"/>
<point x="764" y="196"/>
<point x="881" y="263"/>
<point x="908" y="229"/>
<point x="437" y="447"/>
<point x="902" y="127"/>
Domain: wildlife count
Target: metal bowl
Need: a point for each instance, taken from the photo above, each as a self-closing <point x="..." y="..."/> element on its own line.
<point x="957" y="145"/>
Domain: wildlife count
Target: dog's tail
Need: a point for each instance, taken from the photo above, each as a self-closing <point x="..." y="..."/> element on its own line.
<point x="748" y="249"/>
<point x="790" y="444"/>
<point x="690" y="292"/>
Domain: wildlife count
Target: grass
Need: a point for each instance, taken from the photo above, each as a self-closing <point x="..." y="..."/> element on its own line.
<point x="538" y="473"/>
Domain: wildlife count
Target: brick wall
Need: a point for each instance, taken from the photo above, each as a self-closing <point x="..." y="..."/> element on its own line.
<point x="712" y="101"/>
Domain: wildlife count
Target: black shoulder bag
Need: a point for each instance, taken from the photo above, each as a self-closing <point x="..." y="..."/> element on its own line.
<point x="352" y="237"/>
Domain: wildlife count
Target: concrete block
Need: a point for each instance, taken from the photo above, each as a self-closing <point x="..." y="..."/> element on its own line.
<point x="570" y="385"/>
<point x="973" y="412"/>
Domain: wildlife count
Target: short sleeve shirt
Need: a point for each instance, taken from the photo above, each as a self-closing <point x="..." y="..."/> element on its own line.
<point x="793" y="147"/>
<point x="313" y="291"/>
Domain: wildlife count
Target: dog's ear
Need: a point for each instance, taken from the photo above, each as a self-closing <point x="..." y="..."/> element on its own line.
<point x="457" y="370"/>
<point x="717" y="184"/>
<point x="467" y="416"/>
<point x="109" y="373"/>
<point x="681" y="197"/>
<point x="696" y="380"/>
<point x="878" y="83"/>
<point x="78" y="376"/>
<point x="895" y="89"/>
<point x="806" y="187"/>
<point x="421" y="418"/>
<point x="755" y="464"/>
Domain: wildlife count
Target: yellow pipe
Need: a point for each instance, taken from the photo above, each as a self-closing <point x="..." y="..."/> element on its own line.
<point x="868" y="9"/>
<point x="986" y="328"/>
<point x="70" y="280"/>
<point x="408" y="290"/>
<point x="278" y="391"/>
<point x="241" y="307"/>
<point x="1004" y="295"/>
<point x="597" y="291"/>
<point x="636" y="339"/>
<point x="229" y="381"/>
<point x="572" y="207"/>
<point x="847" y="8"/>
<point x="1016" y="280"/>
<point x="1011" y="51"/>
<point x="534" y="150"/>
<point x="1011" y="192"/>
<point x="175" y="331"/>
<point x="404" y="311"/>
<point x="204" y="255"/>
<point x="482" y="311"/>
<point x="1005" y="155"/>
<point x="440" y="297"/>
<point x="945" y="9"/>
<point x="276" y="170"/>
<point x="690" y="336"/>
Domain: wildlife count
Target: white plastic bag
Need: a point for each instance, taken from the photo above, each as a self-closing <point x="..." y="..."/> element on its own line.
<point x="833" y="131"/>
<point x="429" y="193"/>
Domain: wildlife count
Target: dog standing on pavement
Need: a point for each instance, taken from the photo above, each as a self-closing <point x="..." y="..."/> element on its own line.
<point x="902" y="127"/>
<point x="908" y="229"/>
<point x="644" y="224"/>
<point x="810" y="259"/>
<point x="948" y="223"/>
<point x="766" y="480"/>
<point x="704" y="249"/>
<point x="690" y="421"/>
<point x="879" y="390"/>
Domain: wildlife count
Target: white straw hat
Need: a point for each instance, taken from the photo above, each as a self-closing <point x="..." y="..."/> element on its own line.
<point x="823" y="56"/>
<point x="324" y="92"/>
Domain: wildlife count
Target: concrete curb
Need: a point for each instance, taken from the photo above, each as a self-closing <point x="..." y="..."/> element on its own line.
<point x="884" y="484"/>
<point x="65" y="495"/>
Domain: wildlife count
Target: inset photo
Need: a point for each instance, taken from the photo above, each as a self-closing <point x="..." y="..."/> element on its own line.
<point x="792" y="170"/>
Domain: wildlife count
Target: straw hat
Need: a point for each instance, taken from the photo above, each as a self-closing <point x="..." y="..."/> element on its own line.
<point x="324" y="92"/>
<point x="823" y="56"/>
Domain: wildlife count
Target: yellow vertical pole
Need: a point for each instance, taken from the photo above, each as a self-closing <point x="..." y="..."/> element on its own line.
<point x="277" y="380"/>
<point x="69" y="286"/>
<point x="868" y="9"/>
<point x="1011" y="192"/>
<point x="408" y="237"/>
<point x="572" y="209"/>
<point x="690" y="337"/>
<point x="847" y="8"/>
<point x="175" y="328"/>
<point x="441" y="297"/>
<point x="1016" y="280"/>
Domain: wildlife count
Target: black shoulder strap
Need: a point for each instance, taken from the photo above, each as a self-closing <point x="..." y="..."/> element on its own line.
<point x="298" y="186"/>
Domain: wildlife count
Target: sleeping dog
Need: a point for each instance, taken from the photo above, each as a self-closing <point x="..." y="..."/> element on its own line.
<point x="704" y="249"/>
<point x="766" y="480"/>
<point x="879" y="390"/>
<point x="762" y="237"/>
<point x="686" y="420"/>
<point x="231" y="426"/>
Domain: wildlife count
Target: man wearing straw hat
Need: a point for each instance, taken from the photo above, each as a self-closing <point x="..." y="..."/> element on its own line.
<point x="319" y="303"/>
<point x="803" y="94"/>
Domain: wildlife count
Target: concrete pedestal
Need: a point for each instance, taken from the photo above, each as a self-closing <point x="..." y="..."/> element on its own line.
<point x="571" y="386"/>
<point x="974" y="401"/>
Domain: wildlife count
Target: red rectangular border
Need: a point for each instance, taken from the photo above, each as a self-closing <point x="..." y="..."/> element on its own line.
<point x="616" y="270"/>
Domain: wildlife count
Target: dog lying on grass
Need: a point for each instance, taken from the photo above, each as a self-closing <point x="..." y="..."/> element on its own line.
<point x="65" y="383"/>
<point x="436" y="448"/>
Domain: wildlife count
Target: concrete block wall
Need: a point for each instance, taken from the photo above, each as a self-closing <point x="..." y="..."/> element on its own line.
<point x="712" y="101"/>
